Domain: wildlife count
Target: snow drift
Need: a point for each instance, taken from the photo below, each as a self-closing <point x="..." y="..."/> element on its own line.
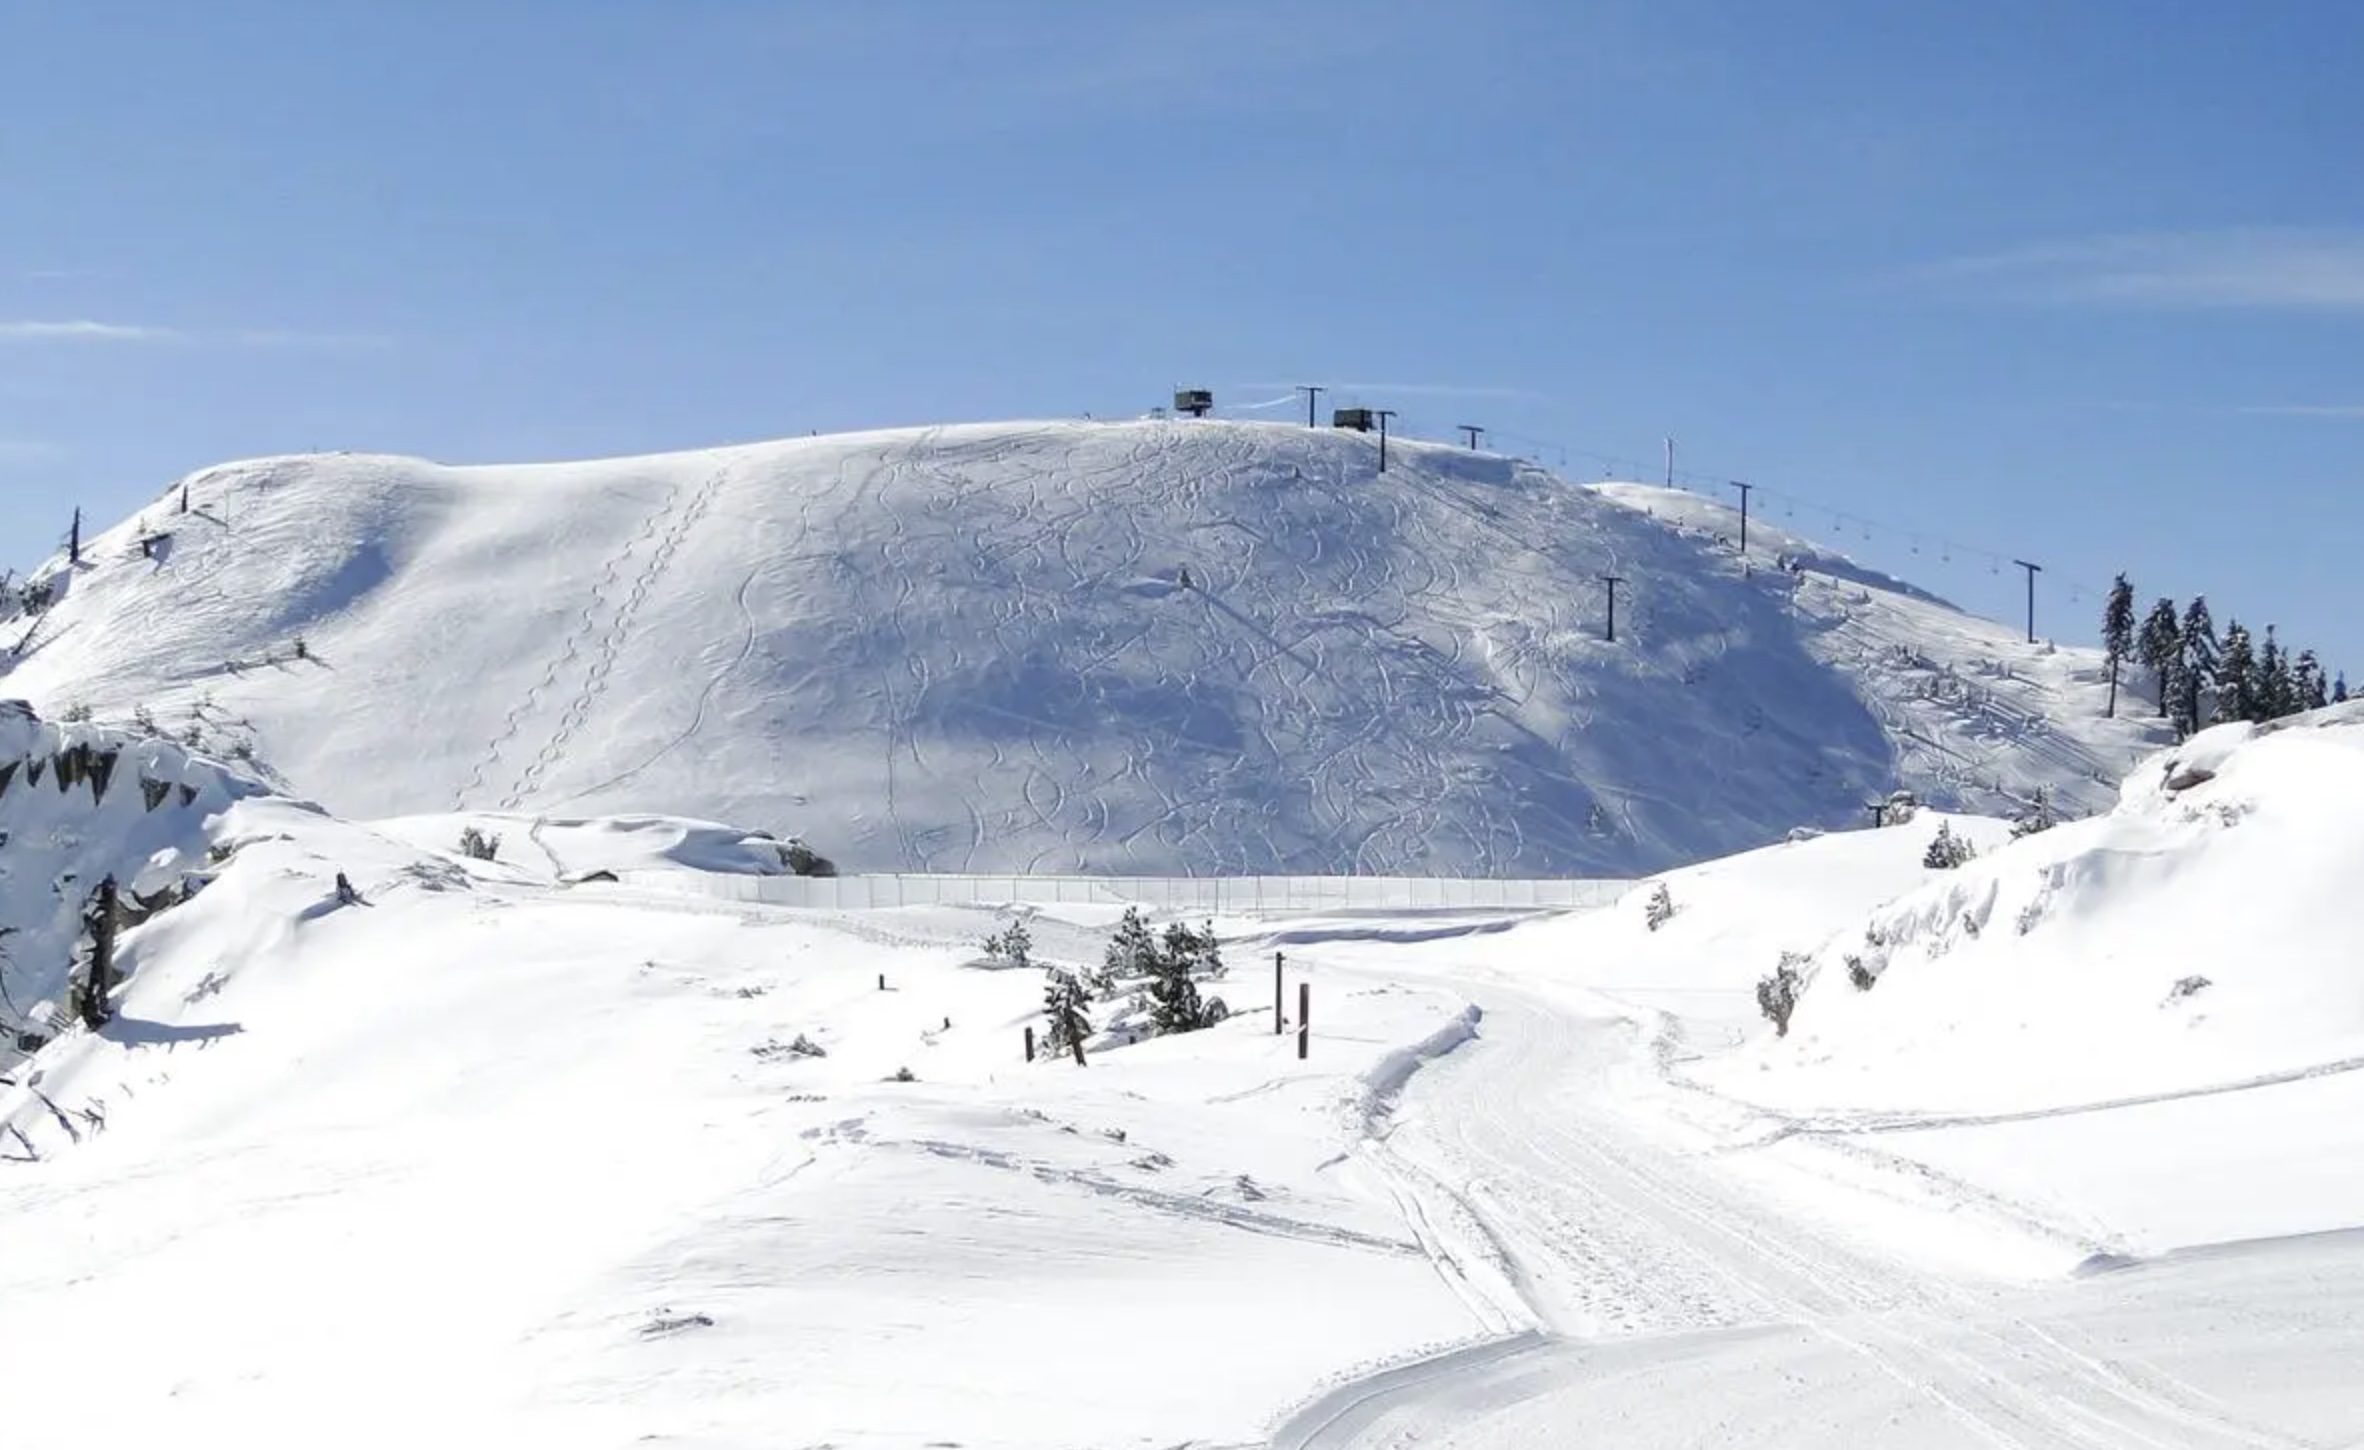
<point x="2192" y="939"/>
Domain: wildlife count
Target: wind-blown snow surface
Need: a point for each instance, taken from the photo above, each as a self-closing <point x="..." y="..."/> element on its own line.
<point x="971" y="648"/>
<point x="509" y="1162"/>
<point x="551" y="1162"/>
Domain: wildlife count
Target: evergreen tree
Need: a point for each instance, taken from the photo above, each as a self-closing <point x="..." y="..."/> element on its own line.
<point x="1132" y="952"/>
<point x="2339" y="689"/>
<point x="2306" y="682"/>
<point x="1175" y="992"/>
<point x="2200" y="655"/>
<point x="1064" y="1008"/>
<point x="2161" y="651"/>
<point x="2236" y="677"/>
<point x="1947" y="850"/>
<point x="2277" y="694"/>
<point x="2117" y="633"/>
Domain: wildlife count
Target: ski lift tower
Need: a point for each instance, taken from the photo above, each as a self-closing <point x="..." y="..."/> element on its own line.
<point x="1197" y="402"/>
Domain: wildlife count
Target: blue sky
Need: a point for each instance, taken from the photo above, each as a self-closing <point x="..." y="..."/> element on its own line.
<point x="2081" y="283"/>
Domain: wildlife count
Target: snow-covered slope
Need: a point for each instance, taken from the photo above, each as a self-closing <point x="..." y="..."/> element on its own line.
<point x="2195" y="937"/>
<point x="1977" y="716"/>
<point x="972" y="648"/>
<point x="575" y="1165"/>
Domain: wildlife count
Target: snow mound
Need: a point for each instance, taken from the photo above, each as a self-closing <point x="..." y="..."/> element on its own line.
<point x="2189" y="941"/>
<point x="576" y="847"/>
<point x="1165" y="647"/>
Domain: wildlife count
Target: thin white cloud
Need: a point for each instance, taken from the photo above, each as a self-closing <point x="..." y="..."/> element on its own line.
<point x="2303" y="410"/>
<point x="2252" y="268"/>
<point x="85" y="331"/>
<point x="261" y="337"/>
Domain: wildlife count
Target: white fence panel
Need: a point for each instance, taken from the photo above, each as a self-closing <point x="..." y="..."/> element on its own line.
<point x="1209" y="895"/>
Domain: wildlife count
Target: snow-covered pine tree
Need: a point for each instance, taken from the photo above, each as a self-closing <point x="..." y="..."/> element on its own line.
<point x="2236" y="676"/>
<point x="1777" y="995"/>
<point x="2306" y="680"/>
<point x="1660" y="909"/>
<point x="2200" y="659"/>
<point x="2339" y="689"/>
<point x="1132" y="952"/>
<point x="2117" y="633"/>
<point x="1197" y="951"/>
<point x="1013" y="945"/>
<point x="2160" y="648"/>
<point x="1947" y="850"/>
<point x="2276" y="695"/>
<point x="1065" y="1010"/>
<point x="1175" y="993"/>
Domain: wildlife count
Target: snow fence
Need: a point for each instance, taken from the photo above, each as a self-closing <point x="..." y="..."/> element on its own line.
<point x="1213" y="894"/>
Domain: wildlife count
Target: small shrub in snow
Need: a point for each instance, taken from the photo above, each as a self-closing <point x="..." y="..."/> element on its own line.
<point x="478" y="846"/>
<point x="77" y="713"/>
<point x="1661" y="908"/>
<point x="1859" y="974"/>
<point x="1947" y="850"/>
<point x="1012" y="946"/>
<point x="904" y="1074"/>
<point x="2188" y="986"/>
<point x="1777" y="995"/>
<point x="1900" y="808"/>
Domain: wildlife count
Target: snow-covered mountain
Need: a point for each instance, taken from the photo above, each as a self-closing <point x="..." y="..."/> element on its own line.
<point x="1158" y="646"/>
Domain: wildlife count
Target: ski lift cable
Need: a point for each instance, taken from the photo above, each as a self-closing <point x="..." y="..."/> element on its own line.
<point x="1696" y="481"/>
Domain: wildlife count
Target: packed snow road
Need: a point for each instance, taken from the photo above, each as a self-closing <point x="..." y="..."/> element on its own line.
<point x="1639" y="1295"/>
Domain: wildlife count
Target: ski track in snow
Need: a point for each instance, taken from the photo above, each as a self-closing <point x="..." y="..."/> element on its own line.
<point x="1607" y="1237"/>
<point x="969" y="648"/>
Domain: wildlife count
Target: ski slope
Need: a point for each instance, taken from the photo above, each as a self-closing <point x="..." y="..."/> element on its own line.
<point x="971" y="648"/>
<point x="582" y="1164"/>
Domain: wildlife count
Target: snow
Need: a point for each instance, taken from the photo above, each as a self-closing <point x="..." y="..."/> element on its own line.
<point x="967" y="649"/>
<point x="510" y="1152"/>
<point x="543" y="1150"/>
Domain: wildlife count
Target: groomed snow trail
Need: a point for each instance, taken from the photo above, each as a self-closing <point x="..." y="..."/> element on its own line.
<point x="1642" y="1267"/>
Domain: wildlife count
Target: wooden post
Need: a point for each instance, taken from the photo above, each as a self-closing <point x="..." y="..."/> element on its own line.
<point x="1278" y="1014"/>
<point x="1030" y="1044"/>
<point x="1304" y="1017"/>
<point x="882" y="981"/>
